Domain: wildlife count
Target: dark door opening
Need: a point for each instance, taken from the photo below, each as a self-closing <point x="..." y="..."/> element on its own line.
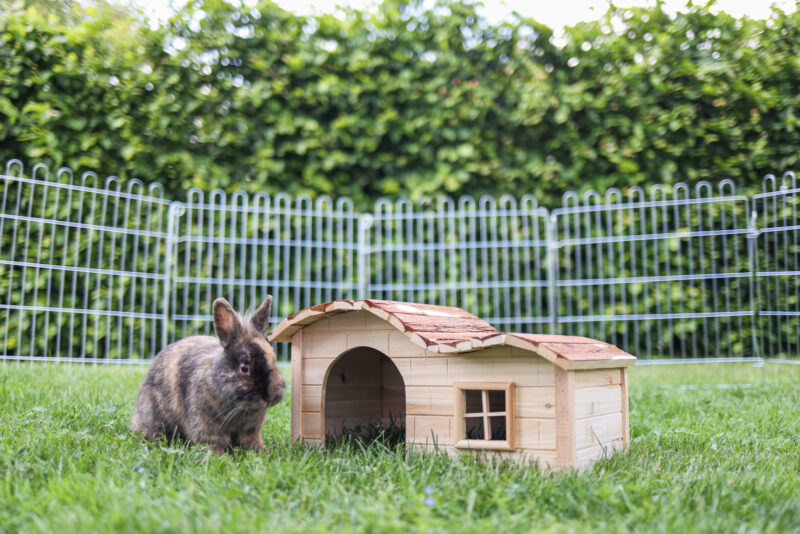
<point x="364" y="396"/>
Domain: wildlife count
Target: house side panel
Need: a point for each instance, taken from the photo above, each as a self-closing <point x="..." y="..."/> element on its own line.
<point x="601" y="422"/>
<point x="594" y="401"/>
<point x="565" y="417"/>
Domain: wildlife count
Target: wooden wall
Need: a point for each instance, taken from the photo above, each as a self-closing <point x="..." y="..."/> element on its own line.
<point x="591" y="406"/>
<point x="429" y="378"/>
<point x="601" y="413"/>
<point x="315" y="348"/>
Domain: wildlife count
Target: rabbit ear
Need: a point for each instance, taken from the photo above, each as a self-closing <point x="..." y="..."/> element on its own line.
<point x="260" y="320"/>
<point x="226" y="322"/>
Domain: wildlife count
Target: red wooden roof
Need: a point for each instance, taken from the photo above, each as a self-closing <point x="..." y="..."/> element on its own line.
<point x="444" y="329"/>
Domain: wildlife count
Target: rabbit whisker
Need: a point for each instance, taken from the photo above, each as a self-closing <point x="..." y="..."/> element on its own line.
<point x="230" y="415"/>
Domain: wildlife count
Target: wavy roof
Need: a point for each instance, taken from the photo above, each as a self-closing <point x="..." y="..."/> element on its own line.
<point x="444" y="329"/>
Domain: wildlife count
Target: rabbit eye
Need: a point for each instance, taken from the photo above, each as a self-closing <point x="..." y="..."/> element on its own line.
<point x="244" y="367"/>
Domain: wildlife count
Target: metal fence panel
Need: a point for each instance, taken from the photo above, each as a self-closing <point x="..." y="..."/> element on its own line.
<point x="80" y="265"/>
<point x="487" y="256"/>
<point x="660" y="274"/>
<point x="242" y="248"/>
<point x="105" y="272"/>
<point x="778" y="266"/>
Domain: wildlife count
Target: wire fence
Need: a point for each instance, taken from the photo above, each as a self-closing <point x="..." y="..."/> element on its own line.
<point x="104" y="271"/>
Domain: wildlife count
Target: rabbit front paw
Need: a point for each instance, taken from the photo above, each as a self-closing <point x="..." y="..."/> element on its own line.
<point x="217" y="445"/>
<point x="252" y="442"/>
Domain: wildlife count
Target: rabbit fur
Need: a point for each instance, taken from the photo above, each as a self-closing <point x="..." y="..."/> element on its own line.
<point x="213" y="390"/>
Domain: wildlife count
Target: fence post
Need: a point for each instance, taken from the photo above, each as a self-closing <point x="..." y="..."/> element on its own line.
<point x="362" y="253"/>
<point x="755" y="301"/>
<point x="176" y="209"/>
<point x="552" y="272"/>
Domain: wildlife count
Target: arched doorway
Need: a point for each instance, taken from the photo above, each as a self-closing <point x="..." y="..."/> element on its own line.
<point x="363" y="392"/>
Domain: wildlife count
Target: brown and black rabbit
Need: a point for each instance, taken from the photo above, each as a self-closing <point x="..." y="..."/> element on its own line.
<point x="213" y="390"/>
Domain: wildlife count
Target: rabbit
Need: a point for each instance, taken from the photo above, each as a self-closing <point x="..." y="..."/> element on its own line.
<point x="213" y="390"/>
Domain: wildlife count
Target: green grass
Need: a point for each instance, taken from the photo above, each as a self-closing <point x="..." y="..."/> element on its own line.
<point x="703" y="458"/>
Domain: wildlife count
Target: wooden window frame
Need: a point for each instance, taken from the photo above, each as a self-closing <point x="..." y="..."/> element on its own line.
<point x="461" y="441"/>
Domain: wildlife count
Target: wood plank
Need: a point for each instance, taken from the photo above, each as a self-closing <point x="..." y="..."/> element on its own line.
<point x="284" y="331"/>
<point x="348" y="321"/>
<point x="376" y="339"/>
<point x="442" y="400"/>
<point x="373" y="322"/>
<point x="430" y="371"/>
<point x="342" y="305"/>
<point x="598" y="377"/>
<point x="616" y="362"/>
<point x="536" y="402"/>
<point x="593" y="401"/>
<point x="434" y="400"/>
<point x="524" y="369"/>
<point x="483" y="445"/>
<point x="324" y="344"/>
<point x="594" y="431"/>
<point x="583" y="351"/>
<point x="297" y="387"/>
<point x="313" y="371"/>
<point x="547" y="375"/>
<point x="431" y="429"/>
<point x="312" y="425"/>
<point x="312" y="399"/>
<point x="401" y="345"/>
<point x="535" y="433"/>
<point x="565" y="417"/>
<point x="547" y="434"/>
<point x="626" y="428"/>
<point x="459" y="409"/>
<point x="418" y="401"/>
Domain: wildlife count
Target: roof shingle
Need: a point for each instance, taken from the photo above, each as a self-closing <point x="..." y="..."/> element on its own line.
<point x="445" y="329"/>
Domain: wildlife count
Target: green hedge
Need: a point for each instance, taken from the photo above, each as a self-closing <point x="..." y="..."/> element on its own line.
<point x="402" y="101"/>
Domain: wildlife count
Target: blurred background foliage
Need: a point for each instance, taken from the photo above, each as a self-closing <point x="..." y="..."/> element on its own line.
<point x="402" y="100"/>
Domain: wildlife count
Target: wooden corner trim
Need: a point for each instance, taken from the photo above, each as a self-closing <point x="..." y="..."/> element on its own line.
<point x="297" y="386"/>
<point x="565" y="417"/>
<point x="626" y="429"/>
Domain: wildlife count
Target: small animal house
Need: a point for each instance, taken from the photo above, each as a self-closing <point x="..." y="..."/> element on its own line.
<point x="453" y="382"/>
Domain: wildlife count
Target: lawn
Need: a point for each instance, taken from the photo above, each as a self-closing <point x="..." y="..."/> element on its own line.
<point x="714" y="448"/>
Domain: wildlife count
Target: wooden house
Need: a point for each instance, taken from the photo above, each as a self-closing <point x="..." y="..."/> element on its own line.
<point x="454" y="382"/>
